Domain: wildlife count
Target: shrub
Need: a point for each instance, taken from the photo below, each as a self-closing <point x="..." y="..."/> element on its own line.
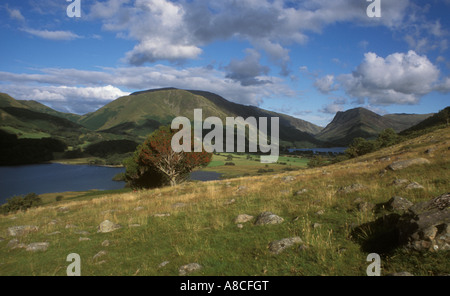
<point x="230" y="163"/>
<point x="21" y="203"/>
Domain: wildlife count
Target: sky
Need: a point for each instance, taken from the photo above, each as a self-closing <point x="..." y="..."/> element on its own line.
<point x="308" y="59"/>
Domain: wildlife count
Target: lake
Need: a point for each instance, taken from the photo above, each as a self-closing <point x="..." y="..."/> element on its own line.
<point x="335" y="150"/>
<point x="50" y="178"/>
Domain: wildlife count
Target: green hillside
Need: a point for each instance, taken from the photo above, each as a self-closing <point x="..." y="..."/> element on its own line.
<point x="141" y="113"/>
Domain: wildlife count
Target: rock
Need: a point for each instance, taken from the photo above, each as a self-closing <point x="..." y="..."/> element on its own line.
<point x="14" y="244"/>
<point x="319" y="212"/>
<point x="108" y="226"/>
<point x="401" y="273"/>
<point x="399" y="165"/>
<point x="134" y="225"/>
<point x="398" y="203"/>
<point x="99" y="254"/>
<point x="241" y="188"/>
<point x="82" y="239"/>
<point x="54" y="233"/>
<point x="243" y="218"/>
<point x="229" y="202"/>
<point x="430" y="150"/>
<point x="240" y="226"/>
<point x="400" y="182"/>
<point x="268" y="218"/>
<point x="105" y="243"/>
<point x="35" y="247"/>
<point x="138" y="209"/>
<point x="22" y="230"/>
<point x="63" y="209"/>
<point x="179" y="205"/>
<point x="163" y="264"/>
<point x="161" y="215"/>
<point x="82" y="232"/>
<point x="288" y="178"/>
<point x="366" y="206"/>
<point x="425" y="227"/>
<point x="300" y="192"/>
<point x="188" y="268"/>
<point x="68" y="226"/>
<point x="414" y="185"/>
<point x="53" y="222"/>
<point x="352" y="188"/>
<point x="316" y="225"/>
<point x="276" y="247"/>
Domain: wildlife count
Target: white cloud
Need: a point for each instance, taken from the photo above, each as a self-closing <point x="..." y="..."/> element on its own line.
<point x="325" y="84"/>
<point x="15" y="14"/>
<point x="87" y="91"/>
<point x="400" y="78"/>
<point x="52" y="35"/>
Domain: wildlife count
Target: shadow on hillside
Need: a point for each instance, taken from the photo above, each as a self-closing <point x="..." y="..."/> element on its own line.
<point x="380" y="236"/>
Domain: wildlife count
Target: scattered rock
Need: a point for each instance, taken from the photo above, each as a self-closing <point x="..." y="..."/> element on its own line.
<point x="316" y="225"/>
<point x="99" y="254"/>
<point x="401" y="273"/>
<point x="188" y="268"/>
<point x="399" y="165"/>
<point x="276" y="247"/>
<point x="161" y="215"/>
<point x="319" y="212"/>
<point x="179" y="205"/>
<point x="230" y="202"/>
<point x="352" y="188"/>
<point x="134" y="225"/>
<point x="68" y="226"/>
<point x="268" y="218"/>
<point x="426" y="225"/>
<point x="163" y="264"/>
<point x="138" y="209"/>
<point x="82" y="232"/>
<point x="243" y="218"/>
<point x="366" y="206"/>
<point x="82" y="239"/>
<point x="54" y="233"/>
<point x="14" y="244"/>
<point x="105" y="243"/>
<point x="303" y="247"/>
<point x="108" y="226"/>
<point x="288" y="178"/>
<point x="22" y="230"/>
<point x="35" y="247"/>
<point x="430" y="150"/>
<point x="398" y="203"/>
<point x="400" y="182"/>
<point x="240" y="226"/>
<point x="300" y="192"/>
<point x="414" y="185"/>
<point x="53" y="222"/>
<point x="63" y="209"/>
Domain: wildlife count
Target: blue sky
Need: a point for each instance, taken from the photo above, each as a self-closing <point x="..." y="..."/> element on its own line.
<point x="308" y="59"/>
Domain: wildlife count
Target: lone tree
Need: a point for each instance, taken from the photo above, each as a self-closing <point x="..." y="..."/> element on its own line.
<point x="155" y="161"/>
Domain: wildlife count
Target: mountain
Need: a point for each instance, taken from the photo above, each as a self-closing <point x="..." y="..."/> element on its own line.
<point x="441" y="118"/>
<point x="360" y="122"/>
<point x="404" y="121"/>
<point x="142" y="112"/>
<point x="8" y="101"/>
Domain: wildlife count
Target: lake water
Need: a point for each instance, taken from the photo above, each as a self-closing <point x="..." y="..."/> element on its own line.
<point x="335" y="150"/>
<point x="50" y="178"/>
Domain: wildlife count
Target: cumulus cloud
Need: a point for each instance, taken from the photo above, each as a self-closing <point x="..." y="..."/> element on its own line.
<point x="246" y="71"/>
<point x="85" y="91"/>
<point x="177" y="30"/>
<point x="15" y="14"/>
<point x="400" y="78"/>
<point x="52" y="35"/>
<point x="326" y="84"/>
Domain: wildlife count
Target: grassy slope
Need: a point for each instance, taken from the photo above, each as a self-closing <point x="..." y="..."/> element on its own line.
<point x="203" y="231"/>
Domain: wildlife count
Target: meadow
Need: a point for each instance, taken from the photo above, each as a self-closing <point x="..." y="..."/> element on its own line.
<point x="195" y="221"/>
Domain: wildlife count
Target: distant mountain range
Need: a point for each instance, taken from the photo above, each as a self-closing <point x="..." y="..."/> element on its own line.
<point x="137" y="115"/>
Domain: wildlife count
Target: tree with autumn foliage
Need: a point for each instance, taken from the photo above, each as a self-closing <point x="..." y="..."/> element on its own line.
<point x="155" y="161"/>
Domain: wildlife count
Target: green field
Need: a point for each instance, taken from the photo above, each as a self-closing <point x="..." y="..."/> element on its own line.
<point x="250" y="165"/>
